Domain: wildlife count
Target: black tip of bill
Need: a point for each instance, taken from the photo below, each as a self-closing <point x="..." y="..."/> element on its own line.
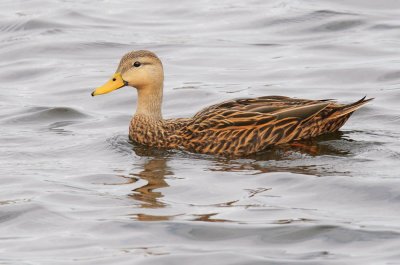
<point x="92" y="94"/>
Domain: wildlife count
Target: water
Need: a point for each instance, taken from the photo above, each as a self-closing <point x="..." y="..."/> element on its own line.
<point x="74" y="190"/>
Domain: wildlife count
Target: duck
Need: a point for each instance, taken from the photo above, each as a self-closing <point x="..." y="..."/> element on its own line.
<point x="236" y="127"/>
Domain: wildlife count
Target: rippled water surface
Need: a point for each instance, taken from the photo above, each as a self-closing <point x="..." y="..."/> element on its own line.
<point x="74" y="190"/>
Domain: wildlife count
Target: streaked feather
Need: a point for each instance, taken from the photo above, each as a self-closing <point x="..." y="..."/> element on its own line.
<point x="245" y="126"/>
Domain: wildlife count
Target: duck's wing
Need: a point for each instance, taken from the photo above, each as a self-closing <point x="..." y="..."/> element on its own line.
<point x="245" y="126"/>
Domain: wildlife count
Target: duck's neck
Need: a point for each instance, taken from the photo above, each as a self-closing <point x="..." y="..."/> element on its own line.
<point x="149" y="101"/>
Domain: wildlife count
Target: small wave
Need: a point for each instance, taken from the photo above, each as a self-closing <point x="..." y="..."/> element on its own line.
<point x="391" y="76"/>
<point x="330" y="13"/>
<point x="385" y="27"/>
<point x="120" y="143"/>
<point x="338" y="25"/>
<point x="286" y="234"/>
<point x="315" y="16"/>
<point x="46" y="114"/>
<point x="32" y="24"/>
<point x="85" y="17"/>
<point x="102" y="44"/>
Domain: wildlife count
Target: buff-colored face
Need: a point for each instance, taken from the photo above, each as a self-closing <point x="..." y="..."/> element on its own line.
<point x="139" y="69"/>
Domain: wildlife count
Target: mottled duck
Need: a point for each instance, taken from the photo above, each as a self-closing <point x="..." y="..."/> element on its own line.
<point x="236" y="127"/>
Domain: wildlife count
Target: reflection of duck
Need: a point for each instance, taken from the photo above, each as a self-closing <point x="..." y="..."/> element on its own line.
<point x="235" y="127"/>
<point x="154" y="172"/>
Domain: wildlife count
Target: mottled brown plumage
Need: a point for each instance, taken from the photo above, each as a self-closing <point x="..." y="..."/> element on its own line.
<point x="232" y="128"/>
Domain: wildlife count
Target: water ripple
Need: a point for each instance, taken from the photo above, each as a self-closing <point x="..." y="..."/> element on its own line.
<point x="75" y="189"/>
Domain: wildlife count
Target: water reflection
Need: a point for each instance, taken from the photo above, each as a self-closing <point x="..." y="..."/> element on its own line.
<point x="210" y="218"/>
<point x="155" y="166"/>
<point x="305" y="157"/>
<point x="154" y="172"/>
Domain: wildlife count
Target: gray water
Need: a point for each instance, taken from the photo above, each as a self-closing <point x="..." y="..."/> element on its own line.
<point x="75" y="190"/>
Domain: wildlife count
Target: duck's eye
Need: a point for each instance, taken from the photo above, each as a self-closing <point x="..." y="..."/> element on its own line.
<point x="136" y="64"/>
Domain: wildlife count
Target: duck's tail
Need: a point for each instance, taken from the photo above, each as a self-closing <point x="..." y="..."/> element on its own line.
<point x="350" y="108"/>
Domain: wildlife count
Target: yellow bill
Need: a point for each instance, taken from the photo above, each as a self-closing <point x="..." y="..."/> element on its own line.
<point x="114" y="83"/>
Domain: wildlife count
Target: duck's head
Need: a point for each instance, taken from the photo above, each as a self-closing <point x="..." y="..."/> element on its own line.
<point x="140" y="69"/>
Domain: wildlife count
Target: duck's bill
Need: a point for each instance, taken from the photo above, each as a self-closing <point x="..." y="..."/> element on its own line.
<point x="114" y="83"/>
